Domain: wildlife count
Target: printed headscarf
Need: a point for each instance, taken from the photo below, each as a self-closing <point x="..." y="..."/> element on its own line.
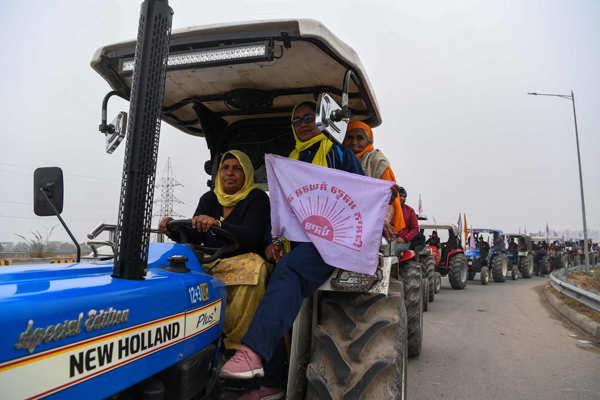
<point x="320" y="157"/>
<point x="230" y="200"/>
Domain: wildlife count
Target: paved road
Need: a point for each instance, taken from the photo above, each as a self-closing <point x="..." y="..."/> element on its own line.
<point x="501" y="341"/>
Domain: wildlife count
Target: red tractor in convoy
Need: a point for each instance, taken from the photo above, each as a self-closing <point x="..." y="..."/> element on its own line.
<point x="445" y="255"/>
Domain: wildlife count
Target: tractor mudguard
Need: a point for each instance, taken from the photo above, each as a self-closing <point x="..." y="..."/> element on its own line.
<point x="451" y="253"/>
<point x="99" y="335"/>
<point x="406" y="255"/>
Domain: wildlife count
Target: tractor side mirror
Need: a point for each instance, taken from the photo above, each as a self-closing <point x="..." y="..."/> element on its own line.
<point x="47" y="191"/>
<point x="327" y="108"/>
<point x="332" y="118"/>
<point x="117" y="130"/>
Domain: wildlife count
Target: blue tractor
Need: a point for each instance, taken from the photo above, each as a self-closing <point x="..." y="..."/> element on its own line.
<point x="484" y="258"/>
<point x="146" y="324"/>
<point x="143" y="320"/>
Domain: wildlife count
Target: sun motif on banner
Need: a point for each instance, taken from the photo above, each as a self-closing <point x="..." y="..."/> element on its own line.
<point x="329" y="214"/>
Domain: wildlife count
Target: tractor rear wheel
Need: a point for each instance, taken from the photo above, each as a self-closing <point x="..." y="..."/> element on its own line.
<point x="360" y="349"/>
<point x="499" y="266"/>
<point x="484" y="275"/>
<point x="430" y="276"/>
<point x="413" y="291"/>
<point x="526" y="266"/>
<point x="425" y="295"/>
<point x="458" y="270"/>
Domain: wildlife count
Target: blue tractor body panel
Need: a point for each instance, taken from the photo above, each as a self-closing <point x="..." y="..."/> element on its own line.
<point x="74" y="331"/>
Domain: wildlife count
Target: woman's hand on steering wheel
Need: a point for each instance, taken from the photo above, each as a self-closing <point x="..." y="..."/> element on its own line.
<point x="203" y="223"/>
<point x="162" y="226"/>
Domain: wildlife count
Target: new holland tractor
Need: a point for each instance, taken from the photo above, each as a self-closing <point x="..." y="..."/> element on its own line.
<point x="485" y="258"/>
<point x="146" y="324"/>
<point x="447" y="259"/>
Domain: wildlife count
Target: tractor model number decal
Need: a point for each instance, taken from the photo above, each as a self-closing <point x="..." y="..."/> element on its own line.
<point x="42" y="374"/>
<point x="198" y="293"/>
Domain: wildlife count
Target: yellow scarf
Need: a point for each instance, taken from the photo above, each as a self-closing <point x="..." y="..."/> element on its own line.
<point x="230" y="200"/>
<point x="321" y="157"/>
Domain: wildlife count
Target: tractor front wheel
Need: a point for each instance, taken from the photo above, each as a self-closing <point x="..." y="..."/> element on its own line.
<point x="499" y="267"/>
<point x="360" y="347"/>
<point x="484" y="275"/>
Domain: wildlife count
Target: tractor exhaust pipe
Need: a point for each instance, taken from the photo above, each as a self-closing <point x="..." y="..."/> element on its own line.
<point x="141" y="152"/>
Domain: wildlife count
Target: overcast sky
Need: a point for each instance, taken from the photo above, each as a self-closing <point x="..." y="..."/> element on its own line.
<point x="450" y="77"/>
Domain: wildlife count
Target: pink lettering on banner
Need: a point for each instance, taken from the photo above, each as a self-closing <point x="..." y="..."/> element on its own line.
<point x="328" y="214"/>
<point x="340" y="213"/>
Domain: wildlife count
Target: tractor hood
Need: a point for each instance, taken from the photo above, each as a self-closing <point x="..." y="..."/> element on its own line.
<point x="70" y="330"/>
<point x="246" y="70"/>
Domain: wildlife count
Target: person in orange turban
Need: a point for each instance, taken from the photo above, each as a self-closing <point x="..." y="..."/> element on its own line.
<point x="359" y="139"/>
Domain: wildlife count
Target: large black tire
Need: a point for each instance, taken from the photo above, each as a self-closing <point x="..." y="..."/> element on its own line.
<point x="484" y="275"/>
<point x="430" y="276"/>
<point x="360" y="347"/>
<point x="458" y="271"/>
<point x="411" y="277"/>
<point x="499" y="268"/>
<point x="426" y="290"/>
<point x="526" y="265"/>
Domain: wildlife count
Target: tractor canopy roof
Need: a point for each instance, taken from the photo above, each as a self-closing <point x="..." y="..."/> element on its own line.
<point x="485" y="230"/>
<point x="244" y="71"/>
<point x="454" y="228"/>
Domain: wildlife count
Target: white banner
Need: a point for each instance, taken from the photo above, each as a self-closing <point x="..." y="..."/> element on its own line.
<point x="341" y="213"/>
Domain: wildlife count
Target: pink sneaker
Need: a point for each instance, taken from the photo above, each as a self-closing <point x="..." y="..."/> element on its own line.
<point x="264" y="393"/>
<point x="245" y="364"/>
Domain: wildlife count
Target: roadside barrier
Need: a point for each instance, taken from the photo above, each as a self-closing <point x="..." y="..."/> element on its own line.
<point x="558" y="280"/>
<point x="5" y="262"/>
<point x="70" y="260"/>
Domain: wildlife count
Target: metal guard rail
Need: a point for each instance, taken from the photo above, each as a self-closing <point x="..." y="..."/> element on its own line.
<point x="558" y="282"/>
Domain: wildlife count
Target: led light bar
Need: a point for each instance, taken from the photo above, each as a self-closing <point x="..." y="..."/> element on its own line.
<point x="262" y="51"/>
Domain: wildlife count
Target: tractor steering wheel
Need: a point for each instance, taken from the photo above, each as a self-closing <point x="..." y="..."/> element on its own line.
<point x="184" y="228"/>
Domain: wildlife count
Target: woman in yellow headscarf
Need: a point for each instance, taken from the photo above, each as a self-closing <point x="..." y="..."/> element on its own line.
<point x="241" y="208"/>
<point x="359" y="139"/>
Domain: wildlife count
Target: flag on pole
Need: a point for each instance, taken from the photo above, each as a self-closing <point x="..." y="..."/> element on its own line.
<point x="420" y="205"/>
<point x="465" y="226"/>
<point x="341" y="213"/>
<point x="519" y="230"/>
<point x="547" y="230"/>
<point x="459" y="224"/>
<point x="434" y="221"/>
<point x="525" y="229"/>
<point x="472" y="244"/>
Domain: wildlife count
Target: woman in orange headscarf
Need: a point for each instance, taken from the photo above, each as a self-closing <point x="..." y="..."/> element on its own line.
<point x="359" y="139"/>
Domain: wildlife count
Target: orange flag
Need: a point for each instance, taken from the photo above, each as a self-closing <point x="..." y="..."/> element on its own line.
<point x="465" y="227"/>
